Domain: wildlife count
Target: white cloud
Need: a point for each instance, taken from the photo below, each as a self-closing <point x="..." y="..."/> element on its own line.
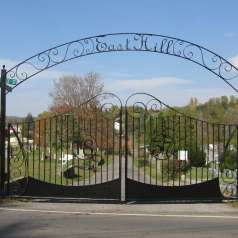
<point x="234" y="61"/>
<point x="150" y="84"/>
<point x="33" y="97"/>
<point x="120" y="75"/>
<point x="230" y="34"/>
<point x="175" y="97"/>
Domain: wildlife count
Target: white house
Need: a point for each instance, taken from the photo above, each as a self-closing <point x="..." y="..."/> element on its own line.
<point x="69" y="157"/>
<point x="183" y="155"/>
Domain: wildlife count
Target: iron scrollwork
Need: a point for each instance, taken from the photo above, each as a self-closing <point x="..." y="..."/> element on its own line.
<point x="17" y="165"/>
<point x="228" y="183"/>
<point x="124" y="42"/>
<point x="162" y="144"/>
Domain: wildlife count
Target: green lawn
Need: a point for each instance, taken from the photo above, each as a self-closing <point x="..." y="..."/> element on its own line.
<point x="193" y="174"/>
<point x="51" y="170"/>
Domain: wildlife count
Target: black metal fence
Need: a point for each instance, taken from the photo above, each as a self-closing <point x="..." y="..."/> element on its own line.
<point x="168" y="148"/>
<point x="161" y="147"/>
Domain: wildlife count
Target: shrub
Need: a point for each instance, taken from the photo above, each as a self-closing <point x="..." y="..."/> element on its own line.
<point x="197" y="157"/>
<point x="101" y="162"/>
<point x="229" y="161"/>
<point x="143" y="162"/>
<point x="184" y="166"/>
<point x="169" y="169"/>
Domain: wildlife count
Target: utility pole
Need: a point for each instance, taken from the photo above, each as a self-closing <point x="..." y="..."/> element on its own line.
<point x="3" y="128"/>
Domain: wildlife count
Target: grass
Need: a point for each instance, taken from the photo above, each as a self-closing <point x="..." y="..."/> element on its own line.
<point x="51" y="170"/>
<point x="153" y="170"/>
<point x="233" y="204"/>
<point x="11" y="200"/>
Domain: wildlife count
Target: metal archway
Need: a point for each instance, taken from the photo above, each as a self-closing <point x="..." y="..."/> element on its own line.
<point x="116" y="42"/>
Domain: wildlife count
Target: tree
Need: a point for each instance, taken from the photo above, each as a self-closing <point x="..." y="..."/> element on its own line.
<point x="193" y="103"/>
<point x="229" y="160"/>
<point x="197" y="157"/>
<point x="224" y="101"/>
<point x="28" y="125"/>
<point x="71" y="91"/>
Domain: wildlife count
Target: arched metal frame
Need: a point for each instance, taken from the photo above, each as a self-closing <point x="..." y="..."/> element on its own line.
<point x="145" y="108"/>
<point x="152" y="134"/>
<point x="118" y="42"/>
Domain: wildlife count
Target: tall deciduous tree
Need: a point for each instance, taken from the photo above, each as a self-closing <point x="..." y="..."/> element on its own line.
<point x="71" y="91"/>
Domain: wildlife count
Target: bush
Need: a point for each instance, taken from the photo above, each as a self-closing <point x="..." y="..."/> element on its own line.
<point x="229" y="161"/>
<point x="197" y="157"/>
<point x="101" y="162"/>
<point x="143" y="162"/>
<point x="184" y="166"/>
<point x="169" y="169"/>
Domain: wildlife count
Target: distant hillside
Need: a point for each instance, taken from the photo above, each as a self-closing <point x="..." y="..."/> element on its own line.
<point x="218" y="110"/>
<point x="14" y="119"/>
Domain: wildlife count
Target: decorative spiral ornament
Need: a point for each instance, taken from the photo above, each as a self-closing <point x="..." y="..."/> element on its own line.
<point x="228" y="182"/>
<point x="18" y="167"/>
<point x="124" y="42"/>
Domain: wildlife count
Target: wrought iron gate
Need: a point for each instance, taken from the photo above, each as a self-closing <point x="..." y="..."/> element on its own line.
<point x="171" y="155"/>
<point x="168" y="155"/>
<point x="72" y="155"/>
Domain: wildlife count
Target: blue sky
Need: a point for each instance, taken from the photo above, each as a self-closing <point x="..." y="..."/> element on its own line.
<point x="28" y="27"/>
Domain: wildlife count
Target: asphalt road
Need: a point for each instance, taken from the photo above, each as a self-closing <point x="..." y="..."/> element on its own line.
<point x="86" y="220"/>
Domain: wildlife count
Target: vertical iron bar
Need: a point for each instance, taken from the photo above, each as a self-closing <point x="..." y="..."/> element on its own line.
<point x="179" y="144"/>
<point x="126" y="150"/>
<point x="196" y="149"/>
<point x="50" y="141"/>
<point x="156" y="159"/>
<point x="150" y="139"/>
<point x="218" y="150"/>
<point x="56" y="147"/>
<point x="113" y="147"/>
<point x="174" y="142"/>
<point x="163" y="140"/>
<point x="133" y="146"/>
<point x="39" y="150"/>
<point x="224" y="139"/>
<point x="213" y="150"/>
<point x="8" y="159"/>
<point x="208" y="151"/>
<point x="90" y="157"/>
<point x="96" y="143"/>
<point x="144" y="134"/>
<point x="61" y="149"/>
<point x="138" y="149"/>
<point x="169" y="147"/>
<point x="44" y="146"/>
<point x="107" y="125"/>
<point x="72" y="147"/>
<point x="27" y="144"/>
<point x="2" y="126"/>
<point x="185" y="148"/>
<point x="78" y="146"/>
<point x="190" y="149"/>
<point x="236" y="161"/>
<point x="202" y="153"/>
<point x="120" y="156"/>
<point x="67" y="143"/>
<point x="33" y="153"/>
<point x="101" y="138"/>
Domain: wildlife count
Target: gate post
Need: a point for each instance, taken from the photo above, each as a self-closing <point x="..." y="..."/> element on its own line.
<point x="236" y="161"/>
<point x="3" y="127"/>
<point x="126" y="151"/>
